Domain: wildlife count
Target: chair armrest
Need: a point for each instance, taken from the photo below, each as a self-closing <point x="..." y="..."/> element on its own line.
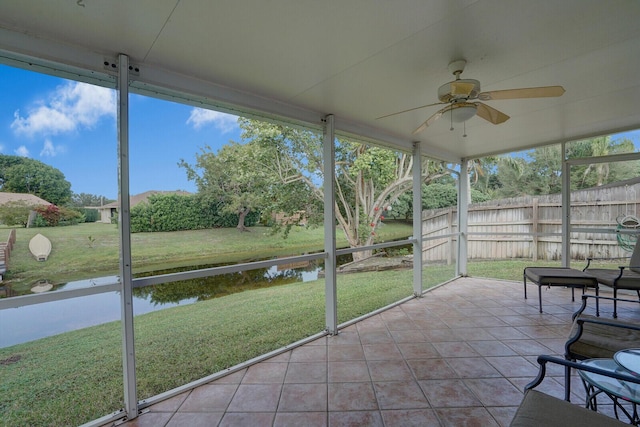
<point x="608" y="258"/>
<point x="589" y="259"/>
<point x="544" y="359"/>
<point x="598" y="298"/>
<point x="585" y="297"/>
<point x="599" y="321"/>
<point x="593" y="337"/>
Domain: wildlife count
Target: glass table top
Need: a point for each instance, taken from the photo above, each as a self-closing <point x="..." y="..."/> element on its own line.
<point x="629" y="359"/>
<point x="622" y="389"/>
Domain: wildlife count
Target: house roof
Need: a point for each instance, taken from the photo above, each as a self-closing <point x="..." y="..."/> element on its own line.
<point x="30" y="199"/>
<point x="357" y="60"/>
<point x="143" y="197"/>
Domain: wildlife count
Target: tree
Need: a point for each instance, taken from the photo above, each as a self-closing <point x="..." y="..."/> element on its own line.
<point x="229" y="179"/>
<point x="279" y="169"/>
<point x="479" y="177"/>
<point x="84" y="199"/>
<point x="368" y="179"/>
<point x="436" y="195"/>
<point x="24" y="175"/>
<point x="15" y="213"/>
<point x="540" y="171"/>
<point x="597" y="174"/>
<point x="599" y="147"/>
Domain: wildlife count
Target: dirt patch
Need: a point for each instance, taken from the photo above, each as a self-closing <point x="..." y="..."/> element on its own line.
<point x="11" y="360"/>
<point x="375" y="263"/>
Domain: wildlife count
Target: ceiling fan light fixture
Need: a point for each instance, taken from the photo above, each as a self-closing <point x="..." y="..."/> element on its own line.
<point x="462" y="112"/>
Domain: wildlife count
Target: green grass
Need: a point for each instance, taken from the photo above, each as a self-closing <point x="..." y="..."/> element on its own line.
<point x="513" y="269"/>
<point x="77" y="376"/>
<point x="75" y="256"/>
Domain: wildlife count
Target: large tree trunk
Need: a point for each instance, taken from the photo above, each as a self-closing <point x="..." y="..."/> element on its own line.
<point x="241" y="216"/>
<point x="360" y="255"/>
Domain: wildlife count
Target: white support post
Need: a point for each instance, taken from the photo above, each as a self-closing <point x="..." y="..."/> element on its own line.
<point x="417" y="220"/>
<point x="124" y="227"/>
<point x="463" y="208"/>
<point x="566" y="208"/>
<point x="329" y="164"/>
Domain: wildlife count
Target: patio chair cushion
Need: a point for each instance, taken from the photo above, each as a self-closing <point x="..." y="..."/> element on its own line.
<point x="634" y="262"/>
<point x="601" y="338"/>
<point x="539" y="409"/>
<point x="559" y="276"/>
<point x="607" y="276"/>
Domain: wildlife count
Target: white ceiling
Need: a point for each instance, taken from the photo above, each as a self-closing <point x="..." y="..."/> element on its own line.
<point x="361" y="59"/>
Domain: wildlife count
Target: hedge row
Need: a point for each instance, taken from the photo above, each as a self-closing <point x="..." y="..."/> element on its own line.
<point x="176" y="212"/>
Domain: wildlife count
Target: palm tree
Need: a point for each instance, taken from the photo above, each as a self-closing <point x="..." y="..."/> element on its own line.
<point x="599" y="147"/>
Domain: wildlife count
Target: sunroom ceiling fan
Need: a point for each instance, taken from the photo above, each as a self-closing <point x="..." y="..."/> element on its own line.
<point x="457" y="95"/>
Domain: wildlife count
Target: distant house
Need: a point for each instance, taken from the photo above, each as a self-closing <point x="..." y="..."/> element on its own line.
<point x="109" y="211"/>
<point x="29" y="199"/>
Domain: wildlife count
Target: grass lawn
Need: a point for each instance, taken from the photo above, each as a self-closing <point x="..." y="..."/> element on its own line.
<point x="91" y="250"/>
<point x="75" y="377"/>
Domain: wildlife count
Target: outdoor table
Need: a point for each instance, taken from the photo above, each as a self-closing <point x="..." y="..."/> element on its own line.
<point x="629" y="359"/>
<point x="616" y="390"/>
<point x="559" y="276"/>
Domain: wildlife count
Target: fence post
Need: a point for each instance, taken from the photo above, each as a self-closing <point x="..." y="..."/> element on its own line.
<point x="534" y="226"/>
<point x="450" y="247"/>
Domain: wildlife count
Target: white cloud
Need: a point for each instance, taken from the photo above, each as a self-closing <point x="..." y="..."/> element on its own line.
<point x="200" y="117"/>
<point x="49" y="150"/>
<point x="69" y="108"/>
<point x="22" y="151"/>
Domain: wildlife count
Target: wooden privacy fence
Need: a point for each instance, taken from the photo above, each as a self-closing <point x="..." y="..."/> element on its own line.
<point x="5" y="251"/>
<point x="522" y="227"/>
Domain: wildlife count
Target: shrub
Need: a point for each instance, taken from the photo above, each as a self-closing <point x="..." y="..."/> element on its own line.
<point x="15" y="213"/>
<point x="49" y="213"/>
<point x="176" y="212"/>
<point x="52" y="216"/>
<point x="69" y="216"/>
<point x="90" y="215"/>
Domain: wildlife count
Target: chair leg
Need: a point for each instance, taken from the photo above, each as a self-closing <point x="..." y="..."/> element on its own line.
<point x="598" y="301"/>
<point x="567" y="383"/>
<point x="615" y="302"/>
<point x="524" y="279"/>
<point x="540" y="297"/>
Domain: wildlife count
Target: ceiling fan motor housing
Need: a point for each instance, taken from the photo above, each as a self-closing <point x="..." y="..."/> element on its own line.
<point x="459" y="90"/>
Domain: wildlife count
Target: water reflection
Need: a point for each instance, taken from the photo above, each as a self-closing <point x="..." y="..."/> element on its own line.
<point x="33" y="322"/>
<point x="225" y="284"/>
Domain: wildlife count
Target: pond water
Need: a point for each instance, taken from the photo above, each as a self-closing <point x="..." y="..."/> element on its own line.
<point x="19" y="325"/>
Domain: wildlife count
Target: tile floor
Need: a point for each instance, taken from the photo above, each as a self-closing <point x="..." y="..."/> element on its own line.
<point x="459" y="356"/>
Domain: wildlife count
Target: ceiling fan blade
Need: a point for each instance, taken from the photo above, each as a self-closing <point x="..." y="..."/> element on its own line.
<point x="461" y="88"/>
<point x="410" y="109"/>
<point x="528" y="92"/>
<point x="490" y="114"/>
<point x="430" y="120"/>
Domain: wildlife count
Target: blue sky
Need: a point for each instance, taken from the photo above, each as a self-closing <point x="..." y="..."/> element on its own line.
<point x="72" y="127"/>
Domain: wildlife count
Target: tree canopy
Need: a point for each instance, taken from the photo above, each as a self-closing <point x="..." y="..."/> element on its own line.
<point x="539" y="171"/>
<point x="24" y="175"/>
<point x="230" y="179"/>
<point x="85" y="199"/>
<point x="279" y="169"/>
